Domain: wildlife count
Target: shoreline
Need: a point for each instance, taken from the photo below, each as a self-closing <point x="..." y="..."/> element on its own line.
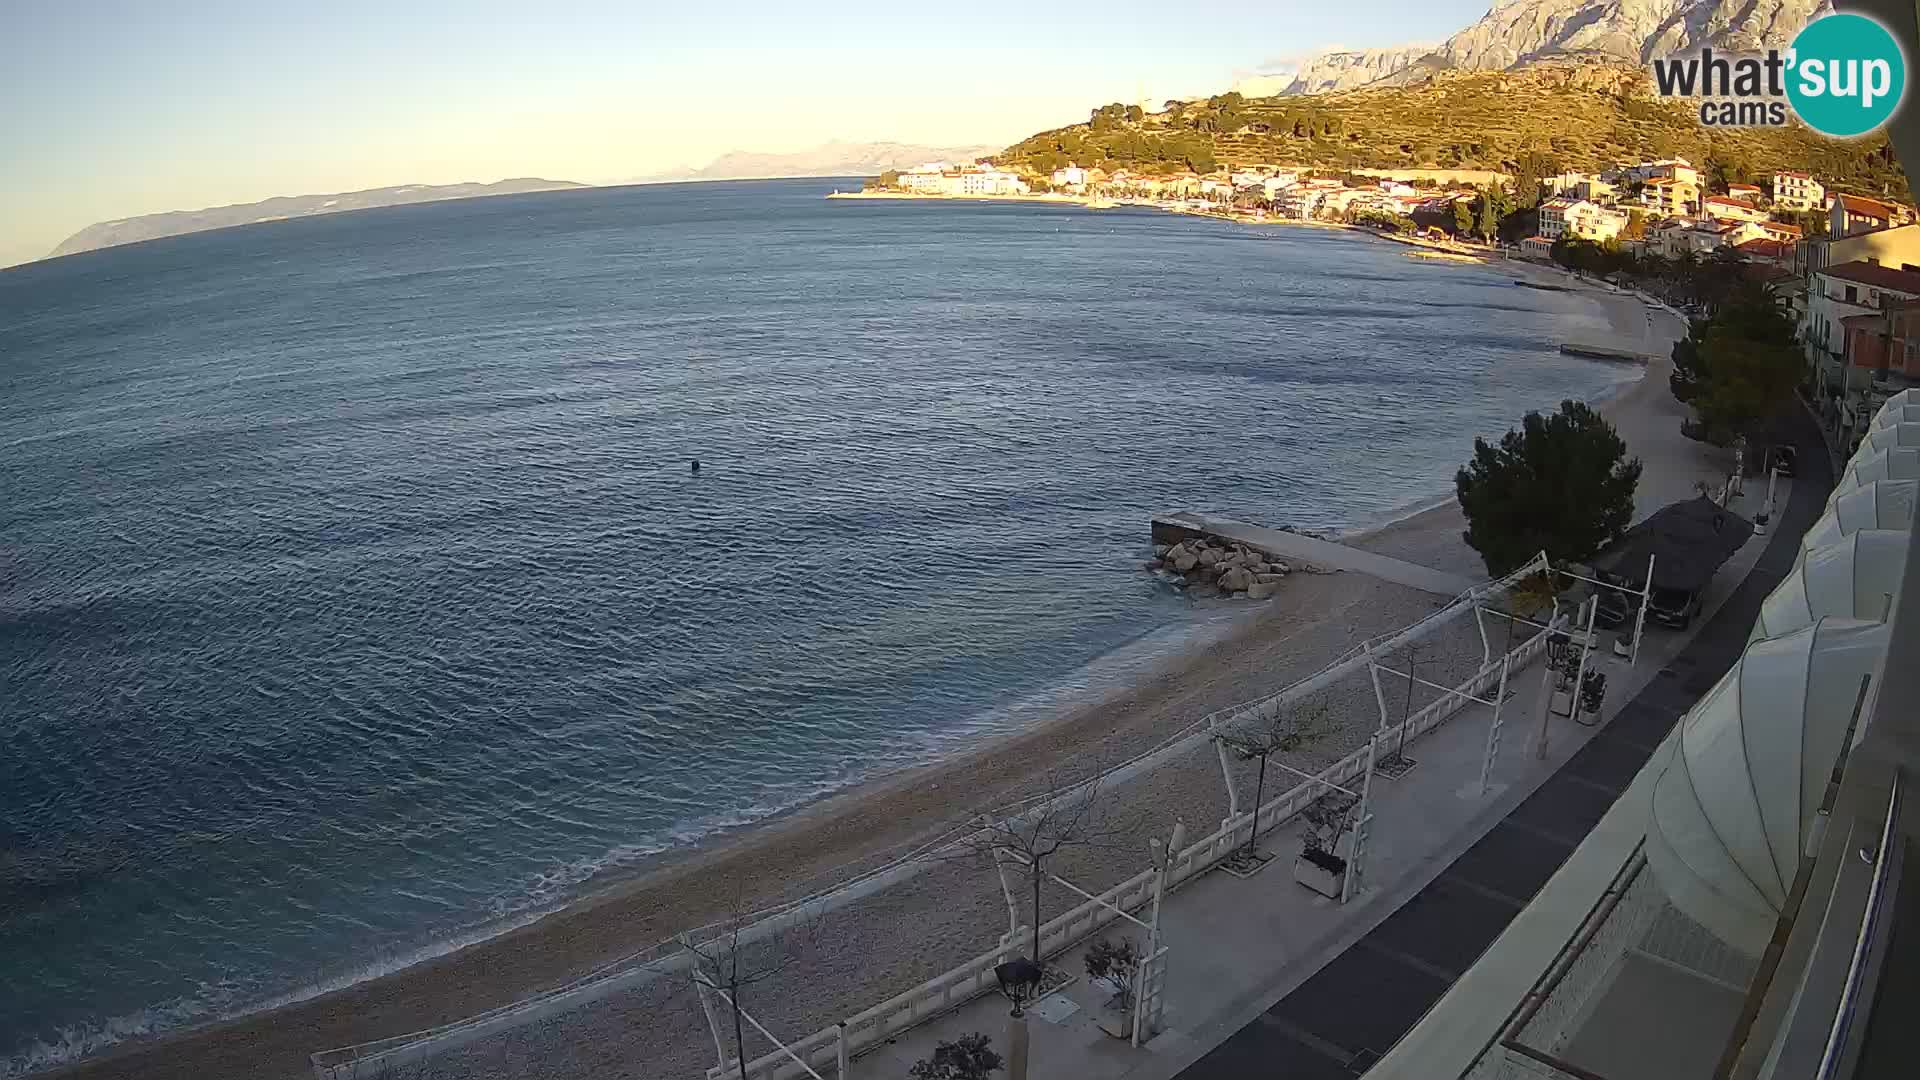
<point x="799" y="848"/>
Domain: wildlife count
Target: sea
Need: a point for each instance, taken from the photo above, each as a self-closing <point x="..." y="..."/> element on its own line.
<point x="359" y="594"/>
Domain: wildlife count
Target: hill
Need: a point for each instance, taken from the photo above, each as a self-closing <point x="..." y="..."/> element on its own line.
<point x="1580" y="116"/>
<point x="179" y="222"/>
<point x="830" y="159"/>
<point x="1521" y="32"/>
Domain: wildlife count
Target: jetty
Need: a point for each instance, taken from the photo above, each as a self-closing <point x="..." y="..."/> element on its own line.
<point x="1281" y="544"/>
<point x="1605" y="352"/>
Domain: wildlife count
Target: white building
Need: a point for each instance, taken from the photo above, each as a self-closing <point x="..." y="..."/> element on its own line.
<point x="974" y="180"/>
<point x="1853" y="288"/>
<point x="1798" y="191"/>
<point x="1073" y="176"/>
<point x="1578" y="185"/>
<point x="1730" y="208"/>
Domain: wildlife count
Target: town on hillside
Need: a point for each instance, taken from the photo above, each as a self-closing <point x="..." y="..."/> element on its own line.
<point x="1846" y="265"/>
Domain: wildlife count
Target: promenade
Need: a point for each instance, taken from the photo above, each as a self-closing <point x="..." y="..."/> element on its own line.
<point x="1266" y="977"/>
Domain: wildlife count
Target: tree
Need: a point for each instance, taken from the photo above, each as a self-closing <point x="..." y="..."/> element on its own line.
<point x="1561" y="483"/>
<point x="1258" y="738"/>
<point x="1118" y="962"/>
<point x="728" y="963"/>
<point x="1489" y="217"/>
<point x="969" y="1057"/>
<point x="1462" y="217"/>
<point x="1030" y="837"/>
<point x="1741" y="366"/>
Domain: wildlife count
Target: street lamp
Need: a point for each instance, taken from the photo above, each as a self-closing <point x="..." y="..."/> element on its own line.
<point x="1019" y="981"/>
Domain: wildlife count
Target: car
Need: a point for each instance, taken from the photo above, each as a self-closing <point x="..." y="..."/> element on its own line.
<point x="1673" y="607"/>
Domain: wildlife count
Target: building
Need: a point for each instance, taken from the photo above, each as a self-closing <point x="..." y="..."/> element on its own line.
<point x="1766" y="251"/>
<point x="1748" y="906"/>
<point x="1666" y="169"/>
<point x="1886" y="344"/>
<point x="1781" y="231"/>
<point x="1852" y="215"/>
<point x="1073" y="176"/>
<point x="1729" y="208"/>
<point x="1578" y="185"/>
<point x="1273" y="185"/>
<point x="1580" y="218"/>
<point x="1669" y="196"/>
<point x="969" y="180"/>
<point x="1849" y="289"/>
<point x="1746" y="193"/>
<point x="1676" y="237"/>
<point x="1798" y="191"/>
<point x="1536" y="247"/>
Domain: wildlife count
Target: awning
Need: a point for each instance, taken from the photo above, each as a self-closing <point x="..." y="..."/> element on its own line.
<point x="1688" y="541"/>
<point x="1899" y="463"/>
<point x="1884" y="504"/>
<point x="1854" y="578"/>
<point x="1742" y="779"/>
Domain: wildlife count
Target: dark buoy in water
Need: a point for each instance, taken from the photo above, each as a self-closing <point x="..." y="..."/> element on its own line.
<point x="696" y="465"/>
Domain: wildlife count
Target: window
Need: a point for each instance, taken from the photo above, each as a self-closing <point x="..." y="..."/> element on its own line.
<point x="1853" y="295"/>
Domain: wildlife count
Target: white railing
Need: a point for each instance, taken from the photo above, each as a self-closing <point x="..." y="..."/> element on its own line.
<point x="970" y="980"/>
<point x="377" y="1058"/>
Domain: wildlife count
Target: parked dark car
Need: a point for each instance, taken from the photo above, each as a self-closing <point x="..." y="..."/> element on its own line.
<point x="1673" y="607"/>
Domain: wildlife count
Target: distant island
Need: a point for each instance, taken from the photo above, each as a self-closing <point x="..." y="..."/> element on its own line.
<point x="830" y="159"/>
<point x="179" y="222"/>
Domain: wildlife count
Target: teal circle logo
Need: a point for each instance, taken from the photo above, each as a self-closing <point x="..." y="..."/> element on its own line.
<point x="1846" y="75"/>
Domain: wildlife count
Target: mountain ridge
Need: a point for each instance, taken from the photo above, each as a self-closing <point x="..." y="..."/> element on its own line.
<point x="1516" y="33"/>
<point x="836" y="158"/>
<point x="132" y="230"/>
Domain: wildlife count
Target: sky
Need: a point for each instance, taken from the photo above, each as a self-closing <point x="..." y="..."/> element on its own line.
<point x="122" y="108"/>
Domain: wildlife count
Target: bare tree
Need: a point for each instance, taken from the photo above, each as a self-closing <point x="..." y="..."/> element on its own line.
<point x="1030" y="837"/>
<point x="727" y="963"/>
<point x="1288" y="730"/>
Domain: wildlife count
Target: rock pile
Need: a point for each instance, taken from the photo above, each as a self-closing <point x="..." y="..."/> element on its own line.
<point x="1207" y="566"/>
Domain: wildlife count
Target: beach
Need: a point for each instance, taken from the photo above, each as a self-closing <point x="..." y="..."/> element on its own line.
<point x="951" y="910"/>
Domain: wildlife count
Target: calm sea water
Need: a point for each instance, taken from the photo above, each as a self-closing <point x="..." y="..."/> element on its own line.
<point x="356" y="592"/>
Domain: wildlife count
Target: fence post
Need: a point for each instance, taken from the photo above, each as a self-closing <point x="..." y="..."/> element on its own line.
<point x="843" y="1059"/>
<point x="1493" y="729"/>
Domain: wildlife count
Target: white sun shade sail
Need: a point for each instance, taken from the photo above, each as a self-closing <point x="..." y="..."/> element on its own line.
<point x="1742" y="780"/>
<point x="1899" y="463"/>
<point x="1884" y="504"/>
<point x="1853" y="578"/>
<point x="1891" y="414"/>
<point x="1895" y="409"/>
<point x="1887" y="438"/>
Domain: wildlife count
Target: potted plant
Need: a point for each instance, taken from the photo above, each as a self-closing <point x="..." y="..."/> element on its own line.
<point x="1593" y="690"/>
<point x="1113" y="966"/>
<point x="1319" y="866"/>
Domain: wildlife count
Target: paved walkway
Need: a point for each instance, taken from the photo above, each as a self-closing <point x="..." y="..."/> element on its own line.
<point x="1324" y="553"/>
<point x="1342" y="1019"/>
<point x="1267" y="978"/>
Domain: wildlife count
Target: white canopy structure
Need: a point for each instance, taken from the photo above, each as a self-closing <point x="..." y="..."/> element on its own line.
<point x="1899" y="463"/>
<point x="1895" y="409"/>
<point x="1889" y="437"/>
<point x="1744" y="776"/>
<point x="1883" y="504"/>
<point x="1854" y="578"/>
<point x="1891" y="414"/>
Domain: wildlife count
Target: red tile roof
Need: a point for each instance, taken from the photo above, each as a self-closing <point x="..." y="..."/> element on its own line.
<point x="1864" y="207"/>
<point x="1761" y="248"/>
<point x="1880" y="277"/>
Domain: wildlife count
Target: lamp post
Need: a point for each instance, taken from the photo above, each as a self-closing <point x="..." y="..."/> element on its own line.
<point x="1019" y="981"/>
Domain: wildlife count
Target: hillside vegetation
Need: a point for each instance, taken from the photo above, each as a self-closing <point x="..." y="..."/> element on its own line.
<point x="1578" y="117"/>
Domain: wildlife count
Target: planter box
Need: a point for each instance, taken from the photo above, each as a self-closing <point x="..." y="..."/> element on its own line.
<point x="1321" y="872"/>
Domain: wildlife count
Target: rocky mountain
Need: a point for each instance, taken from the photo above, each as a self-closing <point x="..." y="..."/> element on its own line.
<point x="179" y="222"/>
<point x="831" y="159"/>
<point x="1330" y="72"/>
<point x="1520" y="32"/>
